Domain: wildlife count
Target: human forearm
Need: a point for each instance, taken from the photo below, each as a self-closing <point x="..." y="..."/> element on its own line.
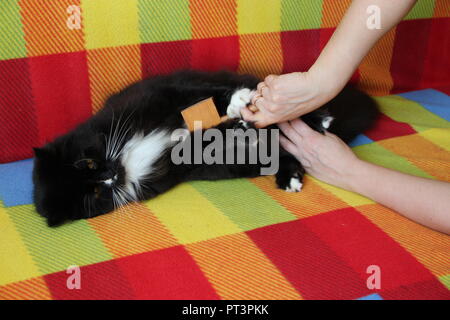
<point x="352" y="39"/>
<point x="422" y="200"/>
<point x="288" y="96"/>
<point x="329" y="159"/>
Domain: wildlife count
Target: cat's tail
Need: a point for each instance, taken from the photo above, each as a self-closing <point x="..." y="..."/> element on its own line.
<point x="349" y="114"/>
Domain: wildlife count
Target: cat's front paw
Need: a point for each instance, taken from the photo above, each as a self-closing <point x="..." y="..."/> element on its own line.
<point x="240" y="99"/>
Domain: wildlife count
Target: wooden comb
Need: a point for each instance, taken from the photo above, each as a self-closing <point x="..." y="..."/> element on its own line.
<point x="206" y="112"/>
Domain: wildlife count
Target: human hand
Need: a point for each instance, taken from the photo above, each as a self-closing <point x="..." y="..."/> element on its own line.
<point x="288" y="96"/>
<point x="325" y="157"/>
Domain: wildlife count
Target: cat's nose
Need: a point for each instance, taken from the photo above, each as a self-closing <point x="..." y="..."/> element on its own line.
<point x="109" y="182"/>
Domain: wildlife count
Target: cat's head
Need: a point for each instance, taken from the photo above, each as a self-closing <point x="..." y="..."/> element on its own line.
<point x="73" y="178"/>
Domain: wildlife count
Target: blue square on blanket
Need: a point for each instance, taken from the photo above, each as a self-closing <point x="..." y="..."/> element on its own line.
<point x="432" y="100"/>
<point x="16" y="186"/>
<point x="374" y="296"/>
<point x="360" y="140"/>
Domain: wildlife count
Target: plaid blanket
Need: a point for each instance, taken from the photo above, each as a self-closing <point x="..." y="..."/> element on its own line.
<point x="59" y="60"/>
<point x="243" y="238"/>
<point x="237" y="239"/>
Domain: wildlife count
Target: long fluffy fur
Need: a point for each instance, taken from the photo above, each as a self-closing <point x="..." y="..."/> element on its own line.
<point x="122" y="153"/>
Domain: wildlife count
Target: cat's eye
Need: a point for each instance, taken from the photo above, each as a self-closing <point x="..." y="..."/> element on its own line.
<point x="91" y="164"/>
<point x="86" y="163"/>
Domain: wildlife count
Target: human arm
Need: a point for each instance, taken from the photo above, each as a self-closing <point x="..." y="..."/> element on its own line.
<point x="291" y="95"/>
<point x="328" y="158"/>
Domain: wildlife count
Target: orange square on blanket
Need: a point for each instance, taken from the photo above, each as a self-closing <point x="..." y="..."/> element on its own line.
<point x="111" y="70"/>
<point x="213" y="18"/>
<point x="52" y="26"/>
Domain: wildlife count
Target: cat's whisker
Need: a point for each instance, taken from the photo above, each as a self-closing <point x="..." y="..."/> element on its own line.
<point x="119" y="197"/>
<point x="125" y="197"/>
<point x="113" y="196"/>
<point x="115" y="199"/>
<point x="114" y="139"/>
<point x="116" y="144"/>
<point x="139" y="192"/>
<point x="121" y="135"/>
<point x="117" y="154"/>
<point x="116" y="203"/>
<point x="108" y="145"/>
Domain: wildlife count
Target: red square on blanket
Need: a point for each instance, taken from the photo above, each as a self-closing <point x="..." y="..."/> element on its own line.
<point x="166" y="274"/>
<point x="409" y="54"/>
<point x="362" y="244"/>
<point x="308" y="262"/>
<point x="97" y="281"/>
<point x="165" y="57"/>
<point x="424" y="290"/>
<point x="437" y="62"/>
<point x="18" y="127"/>
<point x="300" y="49"/>
<point x="61" y="90"/>
<point x="216" y="54"/>
<point x="386" y="128"/>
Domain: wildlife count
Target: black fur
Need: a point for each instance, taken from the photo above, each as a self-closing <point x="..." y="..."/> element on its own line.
<point x="66" y="184"/>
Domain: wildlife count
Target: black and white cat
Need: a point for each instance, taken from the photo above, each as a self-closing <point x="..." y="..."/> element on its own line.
<point x="122" y="153"/>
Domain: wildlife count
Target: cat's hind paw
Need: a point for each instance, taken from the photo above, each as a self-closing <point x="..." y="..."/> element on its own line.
<point x="326" y="122"/>
<point x="294" y="185"/>
<point x="290" y="184"/>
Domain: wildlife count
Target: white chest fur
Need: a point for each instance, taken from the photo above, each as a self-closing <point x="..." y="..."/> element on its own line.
<point x="139" y="155"/>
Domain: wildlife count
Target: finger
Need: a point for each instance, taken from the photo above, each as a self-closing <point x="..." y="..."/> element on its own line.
<point x="301" y="127"/>
<point x="265" y="91"/>
<point x="331" y="135"/>
<point x="274" y="107"/>
<point x="289" y="146"/>
<point x="260" y="86"/>
<point x="272" y="110"/>
<point x="269" y="79"/>
<point x="256" y="97"/>
<point x="290" y="132"/>
<point x="261" y="104"/>
<point x="248" y="115"/>
<point x="263" y="123"/>
<point x="259" y="119"/>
